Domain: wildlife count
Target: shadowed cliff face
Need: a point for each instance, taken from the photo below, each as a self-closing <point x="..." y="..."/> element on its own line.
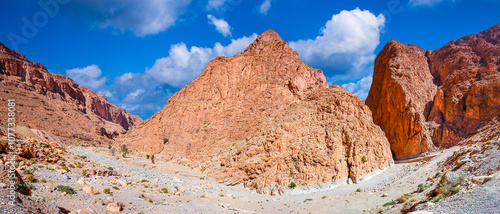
<point x="420" y="98"/>
<point x="56" y="103"/>
<point x="265" y="118"/>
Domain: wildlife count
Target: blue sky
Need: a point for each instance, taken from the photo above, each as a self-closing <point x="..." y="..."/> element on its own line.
<point x="139" y="52"/>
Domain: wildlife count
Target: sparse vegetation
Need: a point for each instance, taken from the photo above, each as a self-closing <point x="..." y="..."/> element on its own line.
<point x="446" y="188"/>
<point x="404" y="198"/>
<point x="65" y="168"/>
<point x="152" y="159"/>
<point x="124" y="150"/>
<point x="164" y="190"/>
<point x="66" y="189"/>
<point x="30" y="177"/>
<point x="116" y="188"/>
<point x="390" y="203"/>
<point x="106" y="191"/>
<point x="421" y="188"/>
<point x="84" y="172"/>
<point x="364" y="159"/>
<point x="71" y="165"/>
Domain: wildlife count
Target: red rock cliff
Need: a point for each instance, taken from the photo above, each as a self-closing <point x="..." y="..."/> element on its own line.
<point x="55" y="103"/>
<point x="445" y="95"/>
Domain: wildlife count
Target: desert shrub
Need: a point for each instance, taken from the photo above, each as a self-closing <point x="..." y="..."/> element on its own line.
<point x="43" y="180"/>
<point x="421" y="188"/>
<point x="27" y="172"/>
<point x="358" y="190"/>
<point x="404" y="198"/>
<point x="152" y="159"/>
<point x="150" y="201"/>
<point x="106" y="191"/>
<point x="65" y="168"/>
<point x="323" y="197"/>
<point x="84" y="172"/>
<point x="165" y="140"/>
<point x="116" y="188"/>
<point x="390" y="203"/>
<point x="78" y="165"/>
<point x="32" y="161"/>
<point x="293" y="185"/>
<point x="71" y="165"/>
<point x="124" y="150"/>
<point x="109" y="147"/>
<point x="30" y="177"/>
<point x="24" y="189"/>
<point x="147" y="156"/>
<point x="144" y="181"/>
<point x="66" y="189"/>
<point x="110" y="168"/>
<point x="364" y="159"/>
<point x="164" y="190"/>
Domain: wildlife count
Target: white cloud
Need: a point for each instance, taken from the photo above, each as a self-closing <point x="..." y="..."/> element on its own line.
<point x="429" y="3"/>
<point x="132" y="96"/>
<point x="220" y="25"/>
<point x="89" y="76"/>
<point x="183" y="65"/>
<point x="215" y="4"/>
<point x="360" y="88"/>
<point x="142" y="17"/>
<point x="346" y="44"/>
<point x="265" y="6"/>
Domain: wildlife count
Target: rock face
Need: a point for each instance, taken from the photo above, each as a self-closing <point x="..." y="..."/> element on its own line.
<point x="444" y="95"/>
<point x="56" y="103"/>
<point x="401" y="89"/>
<point x="265" y="118"/>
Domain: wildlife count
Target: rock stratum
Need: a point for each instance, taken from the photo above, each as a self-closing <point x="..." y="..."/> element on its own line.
<point x="423" y="99"/>
<point x="55" y="103"/>
<point x="265" y="119"/>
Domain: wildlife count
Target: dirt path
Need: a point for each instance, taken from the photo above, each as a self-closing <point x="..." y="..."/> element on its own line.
<point x="208" y="196"/>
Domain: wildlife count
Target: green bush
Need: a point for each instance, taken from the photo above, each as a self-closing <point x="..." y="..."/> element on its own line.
<point x="364" y="159"/>
<point x="71" y="165"/>
<point x="421" y="188"/>
<point x="164" y="190"/>
<point x="144" y="181"/>
<point x="110" y="168"/>
<point x="359" y="190"/>
<point x="293" y="185"/>
<point x="116" y="188"/>
<point x="165" y="140"/>
<point x="124" y="150"/>
<point x="390" y="203"/>
<point x="152" y="159"/>
<point x="66" y="189"/>
<point x="106" y="191"/>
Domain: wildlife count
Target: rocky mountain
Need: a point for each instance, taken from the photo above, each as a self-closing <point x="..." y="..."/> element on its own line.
<point x="425" y="98"/>
<point x="55" y="103"/>
<point x="265" y="118"/>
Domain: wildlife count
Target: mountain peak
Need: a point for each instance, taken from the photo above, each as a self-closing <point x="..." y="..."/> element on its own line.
<point x="268" y="41"/>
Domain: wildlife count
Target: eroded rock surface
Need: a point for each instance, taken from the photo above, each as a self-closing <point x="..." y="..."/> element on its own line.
<point x="55" y="103"/>
<point x="265" y="118"/>
<point x="440" y="97"/>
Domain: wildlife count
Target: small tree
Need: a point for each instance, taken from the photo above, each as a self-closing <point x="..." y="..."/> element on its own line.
<point x="152" y="159"/>
<point x="165" y="140"/>
<point x="124" y="150"/>
<point x="147" y="156"/>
